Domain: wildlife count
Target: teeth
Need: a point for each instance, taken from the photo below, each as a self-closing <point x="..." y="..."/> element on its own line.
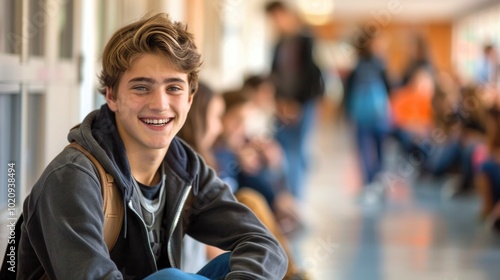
<point x="155" y="121"/>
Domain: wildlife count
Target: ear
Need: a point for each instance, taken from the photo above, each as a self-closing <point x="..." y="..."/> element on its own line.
<point x="111" y="99"/>
<point x="190" y="98"/>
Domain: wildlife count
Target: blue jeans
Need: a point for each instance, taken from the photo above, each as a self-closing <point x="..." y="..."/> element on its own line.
<point x="369" y="142"/>
<point x="216" y="269"/>
<point x="261" y="183"/>
<point x="491" y="169"/>
<point x="449" y="155"/>
<point x="293" y="138"/>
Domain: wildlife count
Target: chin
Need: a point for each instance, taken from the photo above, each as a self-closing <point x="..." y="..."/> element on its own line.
<point x="160" y="145"/>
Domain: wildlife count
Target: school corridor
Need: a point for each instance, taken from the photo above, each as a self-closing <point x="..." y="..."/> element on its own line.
<point x="416" y="233"/>
<point x="428" y="68"/>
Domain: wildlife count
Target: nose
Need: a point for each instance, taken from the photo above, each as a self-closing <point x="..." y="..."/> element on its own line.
<point x="159" y="101"/>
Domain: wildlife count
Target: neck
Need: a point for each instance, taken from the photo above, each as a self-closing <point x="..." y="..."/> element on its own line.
<point x="145" y="166"/>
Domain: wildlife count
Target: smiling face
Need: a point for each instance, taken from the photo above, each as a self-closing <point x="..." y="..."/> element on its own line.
<point x="151" y="103"/>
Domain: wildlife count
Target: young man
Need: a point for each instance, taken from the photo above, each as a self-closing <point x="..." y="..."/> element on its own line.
<point x="149" y="78"/>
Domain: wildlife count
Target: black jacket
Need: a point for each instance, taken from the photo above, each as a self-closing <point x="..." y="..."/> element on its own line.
<point x="294" y="72"/>
<point x="63" y="216"/>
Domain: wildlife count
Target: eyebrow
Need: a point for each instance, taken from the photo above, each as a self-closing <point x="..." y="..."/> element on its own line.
<point x="153" y="81"/>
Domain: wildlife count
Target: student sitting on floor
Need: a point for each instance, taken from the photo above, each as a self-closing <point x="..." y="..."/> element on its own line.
<point x="488" y="178"/>
<point x="261" y="134"/>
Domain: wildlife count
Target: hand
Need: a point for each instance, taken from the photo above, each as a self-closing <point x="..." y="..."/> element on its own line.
<point x="270" y="152"/>
<point x="249" y="160"/>
<point x="285" y="209"/>
<point x="273" y="155"/>
<point x="288" y="111"/>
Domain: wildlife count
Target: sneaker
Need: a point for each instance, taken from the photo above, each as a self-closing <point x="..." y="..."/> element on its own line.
<point x="372" y="194"/>
<point x="451" y="188"/>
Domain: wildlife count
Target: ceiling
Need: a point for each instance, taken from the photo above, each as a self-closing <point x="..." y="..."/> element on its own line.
<point x="409" y="10"/>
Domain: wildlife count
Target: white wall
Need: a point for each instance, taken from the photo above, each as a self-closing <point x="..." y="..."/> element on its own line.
<point x="236" y="42"/>
<point x="470" y="33"/>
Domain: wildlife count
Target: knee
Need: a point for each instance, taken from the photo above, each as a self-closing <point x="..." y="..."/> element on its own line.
<point x="167" y="273"/>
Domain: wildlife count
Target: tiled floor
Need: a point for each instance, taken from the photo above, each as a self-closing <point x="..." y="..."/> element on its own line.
<point x="416" y="233"/>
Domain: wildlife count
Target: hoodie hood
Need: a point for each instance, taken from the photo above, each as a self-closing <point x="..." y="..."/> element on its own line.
<point x="98" y="134"/>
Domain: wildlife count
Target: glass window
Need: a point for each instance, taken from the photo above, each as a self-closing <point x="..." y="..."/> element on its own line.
<point x="10" y="139"/>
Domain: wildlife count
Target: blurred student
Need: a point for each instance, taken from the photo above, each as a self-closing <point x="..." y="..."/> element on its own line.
<point x="473" y="105"/>
<point x="366" y="104"/>
<point x="299" y="84"/>
<point x="201" y="130"/>
<point x="234" y="157"/>
<point x="487" y="70"/>
<point x="443" y="155"/>
<point x="488" y="178"/>
<point x="412" y="112"/>
<point x="261" y="133"/>
<point x="419" y="59"/>
<point x="242" y="163"/>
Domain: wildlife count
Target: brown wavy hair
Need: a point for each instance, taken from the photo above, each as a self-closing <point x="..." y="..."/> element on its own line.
<point x="155" y="34"/>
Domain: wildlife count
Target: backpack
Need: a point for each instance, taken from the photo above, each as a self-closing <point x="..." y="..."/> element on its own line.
<point x="369" y="104"/>
<point x="112" y="208"/>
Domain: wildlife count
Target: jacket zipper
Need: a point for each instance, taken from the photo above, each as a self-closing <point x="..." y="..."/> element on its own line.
<point x="147" y="235"/>
<point x="174" y="225"/>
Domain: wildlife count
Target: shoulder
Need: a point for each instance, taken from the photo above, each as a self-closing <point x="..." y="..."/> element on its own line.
<point x="70" y="162"/>
<point x="70" y="178"/>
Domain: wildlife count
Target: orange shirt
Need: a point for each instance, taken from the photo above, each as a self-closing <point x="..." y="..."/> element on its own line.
<point x="412" y="108"/>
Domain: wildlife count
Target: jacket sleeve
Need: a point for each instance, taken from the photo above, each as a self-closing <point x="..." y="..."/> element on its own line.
<point x="65" y="226"/>
<point x="219" y="220"/>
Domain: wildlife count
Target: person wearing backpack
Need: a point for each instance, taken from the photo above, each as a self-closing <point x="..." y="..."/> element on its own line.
<point x="149" y="77"/>
<point x="366" y="105"/>
<point x="299" y="87"/>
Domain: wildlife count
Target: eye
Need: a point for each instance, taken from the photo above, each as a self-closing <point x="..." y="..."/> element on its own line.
<point x="141" y="89"/>
<point x="174" y="89"/>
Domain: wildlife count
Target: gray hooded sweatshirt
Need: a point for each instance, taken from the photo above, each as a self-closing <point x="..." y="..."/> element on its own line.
<point x="62" y="232"/>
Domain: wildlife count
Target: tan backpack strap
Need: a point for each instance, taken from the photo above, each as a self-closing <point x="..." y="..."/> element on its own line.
<point x="112" y="200"/>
